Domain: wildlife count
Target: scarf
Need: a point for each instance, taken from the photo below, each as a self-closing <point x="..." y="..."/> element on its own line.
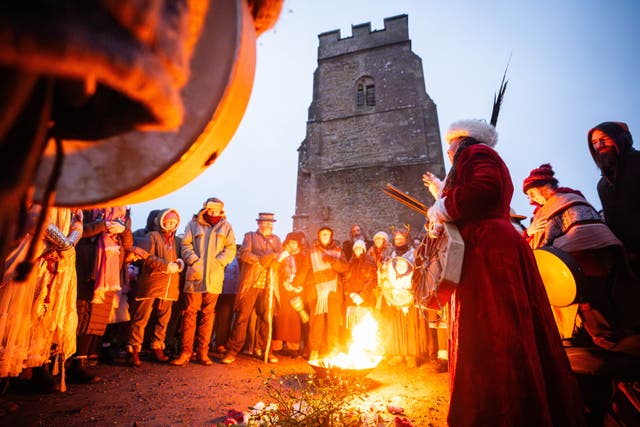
<point x="107" y="255"/>
<point x="325" y="278"/>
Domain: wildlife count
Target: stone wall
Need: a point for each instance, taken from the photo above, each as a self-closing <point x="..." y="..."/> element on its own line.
<point x="352" y="151"/>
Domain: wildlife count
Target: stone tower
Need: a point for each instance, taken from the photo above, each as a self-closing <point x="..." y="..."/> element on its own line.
<point x="370" y="123"/>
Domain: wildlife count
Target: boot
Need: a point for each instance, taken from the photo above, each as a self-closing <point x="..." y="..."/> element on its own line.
<point x="78" y="373"/>
<point x="183" y="359"/>
<point x="42" y="381"/>
<point x="133" y="358"/>
<point x="204" y="359"/>
<point x="159" y="355"/>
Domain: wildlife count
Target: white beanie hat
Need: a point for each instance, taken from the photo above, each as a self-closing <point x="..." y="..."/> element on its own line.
<point x="382" y="234"/>
<point x="359" y="244"/>
<point x="479" y="130"/>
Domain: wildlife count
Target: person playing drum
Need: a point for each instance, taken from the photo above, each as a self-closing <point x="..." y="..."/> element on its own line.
<point x="405" y="331"/>
<point x="564" y="220"/>
<point x="506" y="361"/>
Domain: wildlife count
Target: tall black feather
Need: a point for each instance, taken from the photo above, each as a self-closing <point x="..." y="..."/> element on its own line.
<point x="497" y="98"/>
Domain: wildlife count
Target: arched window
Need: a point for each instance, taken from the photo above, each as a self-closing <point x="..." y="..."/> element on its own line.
<point x="365" y="92"/>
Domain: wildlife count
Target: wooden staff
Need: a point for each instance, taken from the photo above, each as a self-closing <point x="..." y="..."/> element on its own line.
<point x="405" y="199"/>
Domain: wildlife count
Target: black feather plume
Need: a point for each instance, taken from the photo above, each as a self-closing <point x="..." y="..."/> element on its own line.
<point x="497" y="98"/>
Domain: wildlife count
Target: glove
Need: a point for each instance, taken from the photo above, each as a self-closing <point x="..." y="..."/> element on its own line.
<point x="267" y="260"/>
<point x="115" y="227"/>
<point x="173" y="267"/>
<point x="432" y="183"/>
<point x="328" y="259"/>
<point x="357" y="299"/>
<point x="139" y="253"/>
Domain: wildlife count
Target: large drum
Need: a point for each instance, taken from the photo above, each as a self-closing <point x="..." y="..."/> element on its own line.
<point x="562" y="276"/>
<point x="395" y="280"/>
<point x="139" y="165"/>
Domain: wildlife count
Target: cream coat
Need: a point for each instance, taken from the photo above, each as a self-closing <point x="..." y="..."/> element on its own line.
<point x="206" y="250"/>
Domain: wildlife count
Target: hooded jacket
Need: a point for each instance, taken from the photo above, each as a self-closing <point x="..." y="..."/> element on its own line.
<point x="620" y="192"/>
<point x="154" y="280"/>
<point x="206" y="250"/>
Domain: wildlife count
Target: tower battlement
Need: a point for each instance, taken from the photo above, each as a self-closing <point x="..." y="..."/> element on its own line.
<point x="396" y="29"/>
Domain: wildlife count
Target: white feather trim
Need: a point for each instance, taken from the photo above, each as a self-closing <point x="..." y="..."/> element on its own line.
<point x="477" y="129"/>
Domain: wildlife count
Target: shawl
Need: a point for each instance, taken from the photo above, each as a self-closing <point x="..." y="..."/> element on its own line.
<point x="572" y="225"/>
<point x="108" y="256"/>
<point x="325" y="278"/>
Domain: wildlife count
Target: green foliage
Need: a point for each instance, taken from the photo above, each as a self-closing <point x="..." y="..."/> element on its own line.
<point x="298" y="400"/>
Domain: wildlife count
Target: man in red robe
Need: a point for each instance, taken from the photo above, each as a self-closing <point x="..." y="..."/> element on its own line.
<point x="506" y="362"/>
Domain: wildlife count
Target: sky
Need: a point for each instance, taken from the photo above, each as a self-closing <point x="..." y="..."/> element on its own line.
<point x="574" y="64"/>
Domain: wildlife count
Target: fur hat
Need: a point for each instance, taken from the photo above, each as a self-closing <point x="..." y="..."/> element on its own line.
<point x="359" y="244"/>
<point x="382" y="234"/>
<point x="266" y="216"/>
<point x="479" y="130"/>
<point x="539" y="176"/>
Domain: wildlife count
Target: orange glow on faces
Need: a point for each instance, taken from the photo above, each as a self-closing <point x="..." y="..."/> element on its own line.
<point x="602" y="142"/>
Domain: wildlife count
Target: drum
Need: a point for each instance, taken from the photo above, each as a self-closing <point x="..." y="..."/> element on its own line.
<point x="440" y="267"/>
<point x="562" y="276"/>
<point x="395" y="281"/>
<point x="137" y="166"/>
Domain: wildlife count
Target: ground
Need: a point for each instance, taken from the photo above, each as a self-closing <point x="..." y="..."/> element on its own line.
<point x="197" y="395"/>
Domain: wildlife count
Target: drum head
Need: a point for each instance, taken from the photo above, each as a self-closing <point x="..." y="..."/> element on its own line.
<point x="138" y="166"/>
<point x="395" y="281"/>
<point x="560" y="274"/>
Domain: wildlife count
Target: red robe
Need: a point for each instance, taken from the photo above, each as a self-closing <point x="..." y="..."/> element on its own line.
<point x="507" y="363"/>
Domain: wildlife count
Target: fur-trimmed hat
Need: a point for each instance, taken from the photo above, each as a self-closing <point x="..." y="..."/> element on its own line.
<point x="539" y="176"/>
<point x="266" y="216"/>
<point x="382" y="234"/>
<point x="167" y="214"/>
<point x="479" y="130"/>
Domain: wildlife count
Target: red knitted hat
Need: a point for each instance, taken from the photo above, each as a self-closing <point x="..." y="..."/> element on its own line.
<point x="539" y="176"/>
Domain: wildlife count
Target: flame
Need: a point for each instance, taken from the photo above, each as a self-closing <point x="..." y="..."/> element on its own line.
<point x="364" y="350"/>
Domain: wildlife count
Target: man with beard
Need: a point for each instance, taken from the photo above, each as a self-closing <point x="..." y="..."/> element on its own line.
<point x="324" y="265"/>
<point x="258" y="277"/>
<point x="610" y="144"/>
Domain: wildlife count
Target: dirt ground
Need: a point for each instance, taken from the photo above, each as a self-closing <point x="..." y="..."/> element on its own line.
<point x="196" y="395"/>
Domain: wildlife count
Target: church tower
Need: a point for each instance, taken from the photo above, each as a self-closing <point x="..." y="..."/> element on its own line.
<point x="370" y="123"/>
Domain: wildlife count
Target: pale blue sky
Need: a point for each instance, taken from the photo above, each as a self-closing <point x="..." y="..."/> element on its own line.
<point x="574" y="64"/>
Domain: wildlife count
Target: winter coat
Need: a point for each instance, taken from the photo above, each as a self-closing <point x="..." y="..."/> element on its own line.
<point x="254" y="247"/>
<point x="620" y="196"/>
<point x="154" y="280"/>
<point x="206" y="250"/>
<point x="362" y="280"/>
<point x="507" y="364"/>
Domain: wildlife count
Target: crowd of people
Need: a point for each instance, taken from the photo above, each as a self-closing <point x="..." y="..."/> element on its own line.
<point x="97" y="289"/>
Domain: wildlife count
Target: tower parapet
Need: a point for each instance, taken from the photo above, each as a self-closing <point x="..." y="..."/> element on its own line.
<point x="396" y="30"/>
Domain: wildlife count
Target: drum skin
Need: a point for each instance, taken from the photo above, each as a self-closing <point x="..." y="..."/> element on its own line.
<point x="138" y="166"/>
<point x="395" y="281"/>
<point x="562" y="276"/>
